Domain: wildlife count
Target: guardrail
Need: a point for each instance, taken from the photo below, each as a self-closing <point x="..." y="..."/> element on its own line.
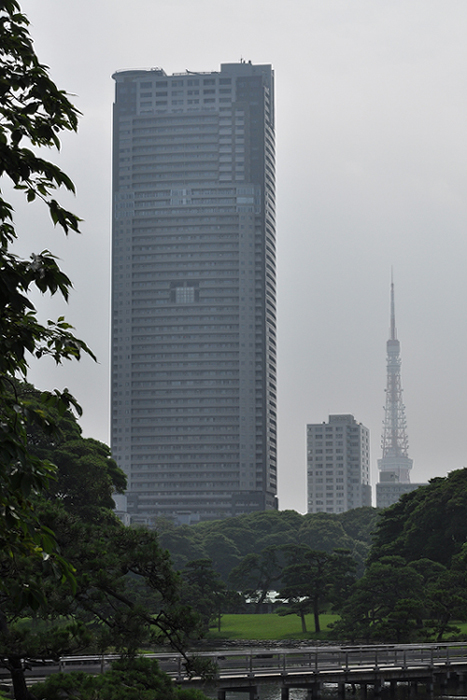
<point x="261" y="661"/>
<point x="320" y="660"/>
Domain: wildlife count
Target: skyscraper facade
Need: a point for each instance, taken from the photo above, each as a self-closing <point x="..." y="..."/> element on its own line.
<point x="338" y="465"/>
<point x="193" y="292"/>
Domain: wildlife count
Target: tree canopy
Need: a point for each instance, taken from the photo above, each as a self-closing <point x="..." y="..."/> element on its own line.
<point x="304" y="583"/>
<point x="227" y="542"/>
<point x="126" y="593"/>
<point x="33" y="112"/>
<point x="430" y="522"/>
<point x="415" y="583"/>
<point x="86" y="474"/>
<point x="126" y="680"/>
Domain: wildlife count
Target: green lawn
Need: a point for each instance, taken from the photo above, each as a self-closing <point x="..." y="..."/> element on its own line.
<point x="270" y="626"/>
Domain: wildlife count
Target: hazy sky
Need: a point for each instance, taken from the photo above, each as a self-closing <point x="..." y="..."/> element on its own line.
<point x="371" y="105"/>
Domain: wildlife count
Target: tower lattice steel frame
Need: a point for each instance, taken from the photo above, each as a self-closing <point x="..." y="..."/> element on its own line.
<point x="395" y="464"/>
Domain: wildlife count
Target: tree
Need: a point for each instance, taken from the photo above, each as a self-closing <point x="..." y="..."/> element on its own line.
<point x="314" y="578"/>
<point x="415" y="582"/>
<point x="257" y="574"/>
<point x="430" y="522"/>
<point x="182" y="544"/>
<point x="128" y="679"/>
<point x="223" y="553"/>
<point x="238" y="530"/>
<point x="304" y="583"/>
<point x="86" y="475"/>
<point x="228" y="541"/>
<point x="323" y="532"/>
<point x="103" y="611"/>
<point x="359" y="523"/>
<point x="126" y="592"/>
<point x="385" y="604"/>
<point x="446" y="596"/>
<point x="204" y="591"/>
<point x="33" y="112"/>
<point x="340" y="570"/>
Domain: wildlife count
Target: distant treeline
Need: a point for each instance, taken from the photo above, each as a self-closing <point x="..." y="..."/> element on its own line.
<point x="227" y="542"/>
<point x="397" y="574"/>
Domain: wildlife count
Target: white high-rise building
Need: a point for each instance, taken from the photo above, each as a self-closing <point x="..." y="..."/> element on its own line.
<point x="338" y="465"/>
<point x="194" y="292"/>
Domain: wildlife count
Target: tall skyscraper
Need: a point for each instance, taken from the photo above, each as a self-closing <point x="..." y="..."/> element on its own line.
<point x="338" y="465"/>
<point x="194" y="292"/>
<point x="395" y="464"/>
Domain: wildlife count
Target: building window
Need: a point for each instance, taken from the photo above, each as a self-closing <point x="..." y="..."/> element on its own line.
<point x="184" y="295"/>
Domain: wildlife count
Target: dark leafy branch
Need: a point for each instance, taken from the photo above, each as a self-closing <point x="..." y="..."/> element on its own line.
<point x="33" y="112"/>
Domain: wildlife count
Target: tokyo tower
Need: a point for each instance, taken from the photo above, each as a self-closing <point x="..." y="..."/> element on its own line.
<point x="395" y="464"/>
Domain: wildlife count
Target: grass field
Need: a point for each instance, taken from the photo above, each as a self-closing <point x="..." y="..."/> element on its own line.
<point x="270" y="626"/>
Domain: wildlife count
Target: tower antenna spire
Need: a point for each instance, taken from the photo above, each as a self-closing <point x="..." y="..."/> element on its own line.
<point x="395" y="464"/>
<point x="393" y="331"/>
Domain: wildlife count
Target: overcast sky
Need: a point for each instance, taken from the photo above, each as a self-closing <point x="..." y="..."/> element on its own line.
<point x="371" y="106"/>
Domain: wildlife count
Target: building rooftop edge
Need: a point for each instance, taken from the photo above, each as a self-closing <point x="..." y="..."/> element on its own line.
<point x="225" y="67"/>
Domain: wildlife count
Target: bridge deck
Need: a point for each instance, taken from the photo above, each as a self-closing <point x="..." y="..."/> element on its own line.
<point x="304" y="667"/>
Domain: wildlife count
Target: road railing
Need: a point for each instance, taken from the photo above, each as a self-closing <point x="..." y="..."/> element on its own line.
<point x="313" y="660"/>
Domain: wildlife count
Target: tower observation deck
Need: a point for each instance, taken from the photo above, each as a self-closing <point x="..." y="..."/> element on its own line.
<point x="395" y="464"/>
